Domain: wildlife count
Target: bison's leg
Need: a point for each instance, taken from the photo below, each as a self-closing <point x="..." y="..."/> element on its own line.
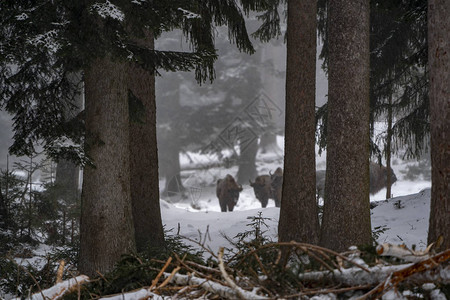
<point x="230" y="206"/>
<point x="223" y="206"/>
<point x="277" y="202"/>
<point x="264" y="202"/>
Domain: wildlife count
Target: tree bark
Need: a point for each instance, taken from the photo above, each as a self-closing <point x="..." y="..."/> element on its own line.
<point x="346" y="216"/>
<point x="106" y="215"/>
<point x="144" y="182"/>
<point x="439" y="64"/>
<point x="298" y="215"/>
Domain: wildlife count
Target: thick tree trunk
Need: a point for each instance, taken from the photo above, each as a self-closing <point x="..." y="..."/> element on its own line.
<point x="247" y="162"/>
<point x="439" y="62"/>
<point x="144" y="182"/>
<point x="346" y="216"/>
<point x="106" y="215"/>
<point x="298" y="215"/>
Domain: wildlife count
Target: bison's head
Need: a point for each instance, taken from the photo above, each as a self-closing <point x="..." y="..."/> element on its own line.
<point x="379" y="176"/>
<point x="233" y="188"/>
<point x="235" y="194"/>
<point x="277" y="178"/>
<point x="262" y="189"/>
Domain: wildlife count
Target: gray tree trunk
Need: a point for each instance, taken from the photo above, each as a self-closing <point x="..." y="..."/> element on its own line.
<point x="388" y="150"/>
<point x="268" y="143"/>
<point x="144" y="182"/>
<point x="67" y="173"/>
<point x="439" y="63"/>
<point x="106" y="214"/>
<point x="247" y="162"/>
<point x="169" y="146"/>
<point x="346" y="216"/>
<point x="172" y="169"/>
<point x="298" y="215"/>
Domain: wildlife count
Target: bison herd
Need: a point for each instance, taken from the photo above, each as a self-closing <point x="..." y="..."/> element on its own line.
<point x="270" y="186"/>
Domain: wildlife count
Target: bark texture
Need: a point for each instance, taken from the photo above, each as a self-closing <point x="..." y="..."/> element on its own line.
<point x="346" y="217"/>
<point x="439" y="63"/>
<point x="106" y="217"/>
<point x="144" y="182"/>
<point x="298" y="214"/>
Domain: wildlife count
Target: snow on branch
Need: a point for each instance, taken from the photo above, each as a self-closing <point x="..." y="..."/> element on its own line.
<point x="60" y="289"/>
<point x="243" y="294"/>
<point x="108" y="10"/>
<point x="214" y="280"/>
<point x="400" y="251"/>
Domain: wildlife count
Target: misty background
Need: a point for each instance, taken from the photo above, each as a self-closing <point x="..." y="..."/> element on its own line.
<point x="191" y="116"/>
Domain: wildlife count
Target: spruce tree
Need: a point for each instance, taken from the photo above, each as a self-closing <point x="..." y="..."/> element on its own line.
<point x="346" y="211"/>
<point x="298" y="214"/>
<point x="439" y="59"/>
<point x="42" y="41"/>
<point x="398" y="69"/>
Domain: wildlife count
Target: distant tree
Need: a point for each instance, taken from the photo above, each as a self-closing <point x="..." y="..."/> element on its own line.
<point x="346" y="212"/>
<point x="299" y="219"/>
<point x="66" y="188"/>
<point x="247" y="161"/>
<point x="172" y="130"/>
<point x="439" y="63"/>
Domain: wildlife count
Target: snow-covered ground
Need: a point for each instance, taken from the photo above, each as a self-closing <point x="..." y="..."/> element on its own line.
<point x="196" y="213"/>
<point x="400" y="220"/>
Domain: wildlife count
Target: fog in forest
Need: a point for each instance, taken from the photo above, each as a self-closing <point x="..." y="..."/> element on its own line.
<point x="203" y="119"/>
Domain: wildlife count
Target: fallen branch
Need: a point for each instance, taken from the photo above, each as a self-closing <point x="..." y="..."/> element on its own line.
<point x="60" y="289"/>
<point x="59" y="273"/>
<point x="418" y="268"/>
<point x="141" y="294"/>
<point x="205" y="284"/>
<point x="243" y="294"/>
<point x="155" y="281"/>
<point x="400" y="251"/>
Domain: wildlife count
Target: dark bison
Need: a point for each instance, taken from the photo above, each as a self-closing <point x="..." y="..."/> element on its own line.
<point x="262" y="188"/>
<point x="277" y="185"/>
<point x="378" y="179"/>
<point x="268" y="187"/>
<point x="227" y="191"/>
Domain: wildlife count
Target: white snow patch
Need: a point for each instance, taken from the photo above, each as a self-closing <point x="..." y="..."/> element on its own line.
<point x="108" y="10"/>
<point x="47" y="40"/>
<point x="189" y="14"/>
<point x="22" y="17"/>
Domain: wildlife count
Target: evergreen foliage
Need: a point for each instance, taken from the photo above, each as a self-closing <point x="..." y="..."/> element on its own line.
<point x="398" y="62"/>
<point x="34" y="216"/>
<point x="42" y="41"/>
